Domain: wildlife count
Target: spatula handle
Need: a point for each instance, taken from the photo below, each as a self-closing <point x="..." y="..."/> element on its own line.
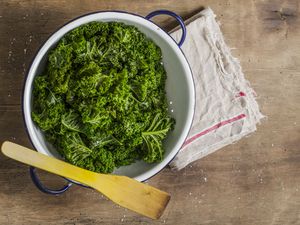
<point x="122" y="190"/>
<point x="52" y="165"/>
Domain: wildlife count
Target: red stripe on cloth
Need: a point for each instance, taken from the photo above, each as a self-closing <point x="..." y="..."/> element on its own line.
<point x="222" y="123"/>
<point x="240" y="94"/>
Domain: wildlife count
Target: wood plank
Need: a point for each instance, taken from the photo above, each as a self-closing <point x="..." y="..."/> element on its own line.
<point x="255" y="181"/>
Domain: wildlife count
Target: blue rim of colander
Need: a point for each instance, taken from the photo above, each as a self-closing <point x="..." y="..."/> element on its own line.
<point x="32" y="170"/>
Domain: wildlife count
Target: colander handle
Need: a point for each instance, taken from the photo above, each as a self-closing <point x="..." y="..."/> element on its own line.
<point x="44" y="189"/>
<point x="177" y="17"/>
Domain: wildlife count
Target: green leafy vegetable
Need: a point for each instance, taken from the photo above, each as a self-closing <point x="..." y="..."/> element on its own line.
<point x="101" y="100"/>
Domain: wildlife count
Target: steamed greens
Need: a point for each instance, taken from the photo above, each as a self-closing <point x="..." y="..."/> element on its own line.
<point x="101" y="98"/>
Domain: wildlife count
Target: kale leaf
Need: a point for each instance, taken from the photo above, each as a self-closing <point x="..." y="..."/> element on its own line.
<point x="101" y="99"/>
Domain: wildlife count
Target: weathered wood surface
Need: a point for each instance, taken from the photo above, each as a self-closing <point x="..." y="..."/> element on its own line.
<point x="256" y="181"/>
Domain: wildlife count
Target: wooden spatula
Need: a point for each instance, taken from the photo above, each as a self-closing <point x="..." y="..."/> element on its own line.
<point x="122" y="190"/>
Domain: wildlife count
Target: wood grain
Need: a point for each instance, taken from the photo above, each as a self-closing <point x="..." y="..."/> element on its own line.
<point x="256" y="181"/>
<point x="124" y="191"/>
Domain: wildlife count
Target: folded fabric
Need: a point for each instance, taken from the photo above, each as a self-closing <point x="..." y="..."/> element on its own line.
<point x="226" y="109"/>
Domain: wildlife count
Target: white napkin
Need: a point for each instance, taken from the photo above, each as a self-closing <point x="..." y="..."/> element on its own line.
<point x="226" y="109"/>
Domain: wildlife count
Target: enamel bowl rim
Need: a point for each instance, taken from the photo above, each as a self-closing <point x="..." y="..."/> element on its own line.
<point x="83" y="19"/>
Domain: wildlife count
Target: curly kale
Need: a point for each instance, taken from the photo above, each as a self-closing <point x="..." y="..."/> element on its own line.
<point x="101" y="98"/>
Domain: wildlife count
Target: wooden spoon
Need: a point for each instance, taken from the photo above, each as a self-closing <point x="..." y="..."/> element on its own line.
<point x="122" y="190"/>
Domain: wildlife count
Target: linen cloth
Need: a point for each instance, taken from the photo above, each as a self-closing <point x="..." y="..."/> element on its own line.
<point x="226" y="109"/>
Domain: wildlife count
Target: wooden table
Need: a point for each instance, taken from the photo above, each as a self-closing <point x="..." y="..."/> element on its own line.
<point x="256" y="181"/>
